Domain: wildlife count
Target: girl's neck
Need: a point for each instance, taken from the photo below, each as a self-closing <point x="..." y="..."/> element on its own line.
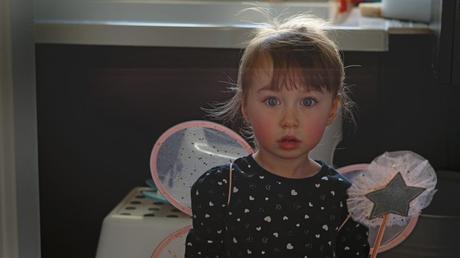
<point x="290" y="168"/>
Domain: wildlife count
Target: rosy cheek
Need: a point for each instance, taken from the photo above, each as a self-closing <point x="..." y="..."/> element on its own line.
<point x="316" y="132"/>
<point x="261" y="130"/>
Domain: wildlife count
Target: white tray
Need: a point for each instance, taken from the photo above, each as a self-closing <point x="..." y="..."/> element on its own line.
<point x="137" y="225"/>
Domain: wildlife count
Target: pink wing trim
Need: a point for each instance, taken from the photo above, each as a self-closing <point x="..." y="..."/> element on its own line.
<point x="159" y="249"/>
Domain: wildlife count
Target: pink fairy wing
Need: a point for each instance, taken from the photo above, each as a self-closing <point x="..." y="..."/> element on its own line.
<point x="185" y="151"/>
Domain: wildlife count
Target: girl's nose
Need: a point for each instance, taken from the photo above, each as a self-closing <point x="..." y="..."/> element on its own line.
<point x="289" y="118"/>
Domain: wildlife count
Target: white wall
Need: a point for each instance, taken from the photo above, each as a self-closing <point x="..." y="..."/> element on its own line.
<point x="19" y="200"/>
<point x="8" y="222"/>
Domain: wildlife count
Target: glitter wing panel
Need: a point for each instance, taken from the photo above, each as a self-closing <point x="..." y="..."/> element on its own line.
<point x="184" y="152"/>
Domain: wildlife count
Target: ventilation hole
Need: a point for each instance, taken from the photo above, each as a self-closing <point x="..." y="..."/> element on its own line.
<point x="140" y="197"/>
<point x="135" y="202"/>
<point x="175" y="210"/>
<point x="149" y="215"/>
<point x="154" y="209"/>
<point x="130" y="208"/>
<point x="158" y="203"/>
<point x="172" y="216"/>
<point x="125" y="213"/>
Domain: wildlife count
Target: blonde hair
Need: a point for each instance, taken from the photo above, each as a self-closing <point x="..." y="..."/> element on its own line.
<point x="300" y="53"/>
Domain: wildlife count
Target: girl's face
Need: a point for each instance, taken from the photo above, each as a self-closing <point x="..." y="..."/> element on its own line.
<point x="287" y="123"/>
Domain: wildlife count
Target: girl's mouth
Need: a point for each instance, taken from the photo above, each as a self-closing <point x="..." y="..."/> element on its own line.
<point x="288" y="142"/>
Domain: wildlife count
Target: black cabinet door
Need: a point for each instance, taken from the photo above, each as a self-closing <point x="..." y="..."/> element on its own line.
<point x="447" y="70"/>
<point x="456" y="47"/>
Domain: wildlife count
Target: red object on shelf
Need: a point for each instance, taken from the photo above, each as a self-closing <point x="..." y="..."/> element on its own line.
<point x="342" y="6"/>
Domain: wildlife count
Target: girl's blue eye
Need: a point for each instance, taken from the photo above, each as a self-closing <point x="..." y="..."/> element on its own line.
<point x="308" y="102"/>
<point x="271" y="101"/>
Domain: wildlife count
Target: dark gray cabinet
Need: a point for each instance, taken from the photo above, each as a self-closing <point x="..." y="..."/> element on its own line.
<point x="101" y="108"/>
<point x="447" y="55"/>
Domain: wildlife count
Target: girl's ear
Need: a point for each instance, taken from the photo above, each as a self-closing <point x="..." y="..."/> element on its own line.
<point x="334" y="110"/>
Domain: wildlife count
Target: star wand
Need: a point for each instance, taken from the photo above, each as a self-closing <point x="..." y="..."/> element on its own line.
<point x="394" y="188"/>
<point x="394" y="198"/>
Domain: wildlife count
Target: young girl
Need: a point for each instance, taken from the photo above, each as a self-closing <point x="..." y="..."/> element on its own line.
<point x="278" y="202"/>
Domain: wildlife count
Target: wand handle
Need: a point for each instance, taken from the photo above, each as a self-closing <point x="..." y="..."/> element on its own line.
<point x="378" y="239"/>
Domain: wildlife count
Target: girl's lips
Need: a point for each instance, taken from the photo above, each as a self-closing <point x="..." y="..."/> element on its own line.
<point x="289" y="142"/>
<point x="289" y="139"/>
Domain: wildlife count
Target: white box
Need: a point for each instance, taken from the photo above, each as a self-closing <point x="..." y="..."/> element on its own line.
<point x="136" y="226"/>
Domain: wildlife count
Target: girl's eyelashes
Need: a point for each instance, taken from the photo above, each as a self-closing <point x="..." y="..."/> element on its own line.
<point x="271" y="101"/>
<point x="309" y="102"/>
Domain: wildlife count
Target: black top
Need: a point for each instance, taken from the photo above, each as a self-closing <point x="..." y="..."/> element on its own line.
<point x="272" y="216"/>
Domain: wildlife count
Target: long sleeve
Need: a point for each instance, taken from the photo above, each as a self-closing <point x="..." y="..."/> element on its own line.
<point x="208" y="207"/>
<point x="352" y="238"/>
<point x="352" y="241"/>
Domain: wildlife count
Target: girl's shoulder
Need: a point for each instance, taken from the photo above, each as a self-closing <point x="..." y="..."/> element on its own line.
<point x="215" y="176"/>
<point x="211" y="186"/>
<point x="334" y="177"/>
<point x="219" y="176"/>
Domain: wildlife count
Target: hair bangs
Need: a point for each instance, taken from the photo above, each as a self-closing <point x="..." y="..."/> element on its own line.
<point x="292" y="69"/>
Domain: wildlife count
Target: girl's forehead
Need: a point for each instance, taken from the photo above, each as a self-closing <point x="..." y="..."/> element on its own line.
<point x="284" y="73"/>
<point x="276" y="79"/>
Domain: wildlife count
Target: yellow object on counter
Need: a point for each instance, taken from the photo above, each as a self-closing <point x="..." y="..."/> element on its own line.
<point x="371" y="9"/>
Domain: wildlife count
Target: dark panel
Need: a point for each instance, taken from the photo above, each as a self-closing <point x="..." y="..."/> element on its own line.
<point x="363" y="76"/>
<point x="453" y="128"/>
<point x="400" y="107"/>
<point x="100" y="110"/>
<point x="412" y="105"/>
<point x="445" y="47"/>
<point x="456" y="48"/>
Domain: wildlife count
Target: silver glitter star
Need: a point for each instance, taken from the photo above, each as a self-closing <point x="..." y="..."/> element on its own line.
<point x="394" y="198"/>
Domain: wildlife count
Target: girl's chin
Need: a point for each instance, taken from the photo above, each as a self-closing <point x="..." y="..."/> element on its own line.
<point x="291" y="155"/>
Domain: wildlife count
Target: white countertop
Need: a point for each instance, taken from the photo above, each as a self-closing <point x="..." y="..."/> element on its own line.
<point x="193" y="24"/>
